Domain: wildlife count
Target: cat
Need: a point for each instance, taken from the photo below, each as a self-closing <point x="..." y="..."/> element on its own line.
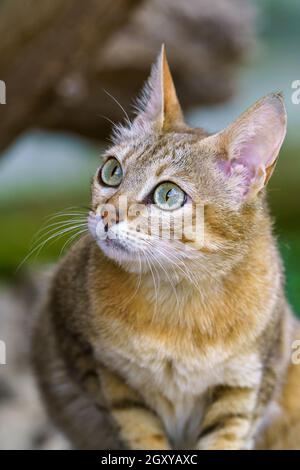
<point x="151" y="342"/>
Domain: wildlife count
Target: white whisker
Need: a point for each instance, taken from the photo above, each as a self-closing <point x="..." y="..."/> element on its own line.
<point x="55" y="230"/>
<point x="118" y="103"/>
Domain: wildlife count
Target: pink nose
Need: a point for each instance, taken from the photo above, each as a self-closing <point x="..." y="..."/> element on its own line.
<point x="108" y="220"/>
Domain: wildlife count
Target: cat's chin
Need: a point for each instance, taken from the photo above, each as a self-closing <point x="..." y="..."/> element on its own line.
<point x="116" y="251"/>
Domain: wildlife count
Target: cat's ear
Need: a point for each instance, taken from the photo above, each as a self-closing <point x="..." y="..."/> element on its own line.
<point x="159" y="104"/>
<point x="249" y="147"/>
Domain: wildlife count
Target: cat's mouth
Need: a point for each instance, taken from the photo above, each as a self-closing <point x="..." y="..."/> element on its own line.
<point x="119" y="251"/>
<point x="113" y="246"/>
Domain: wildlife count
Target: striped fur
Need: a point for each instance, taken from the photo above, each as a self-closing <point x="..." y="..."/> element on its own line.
<point x="196" y="351"/>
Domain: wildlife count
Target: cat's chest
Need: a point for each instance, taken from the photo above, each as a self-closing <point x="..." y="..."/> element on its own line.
<point x="170" y="368"/>
<point x="172" y="381"/>
<point x="174" y="373"/>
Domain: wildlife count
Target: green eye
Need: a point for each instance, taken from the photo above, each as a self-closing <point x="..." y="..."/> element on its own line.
<point x="111" y="173"/>
<point x="168" y="196"/>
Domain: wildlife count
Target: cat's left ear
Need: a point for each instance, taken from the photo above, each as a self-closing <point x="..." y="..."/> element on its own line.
<point x="250" y="146"/>
<point x="159" y="104"/>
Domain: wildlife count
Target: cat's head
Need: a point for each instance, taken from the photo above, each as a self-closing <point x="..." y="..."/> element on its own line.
<point x="174" y="197"/>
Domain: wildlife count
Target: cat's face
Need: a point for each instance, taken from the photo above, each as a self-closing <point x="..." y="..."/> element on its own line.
<point x="166" y="181"/>
<point x="171" y="198"/>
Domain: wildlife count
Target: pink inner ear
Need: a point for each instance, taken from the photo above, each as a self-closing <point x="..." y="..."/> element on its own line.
<point x="237" y="167"/>
<point x="260" y="150"/>
<point x="252" y="155"/>
<point x="225" y="166"/>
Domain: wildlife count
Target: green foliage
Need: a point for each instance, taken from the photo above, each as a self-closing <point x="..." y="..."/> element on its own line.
<point x="290" y="249"/>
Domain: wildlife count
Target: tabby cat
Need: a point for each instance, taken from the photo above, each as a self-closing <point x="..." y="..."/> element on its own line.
<point x="163" y="342"/>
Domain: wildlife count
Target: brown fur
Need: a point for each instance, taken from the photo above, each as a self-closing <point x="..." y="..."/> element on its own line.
<point x="165" y="354"/>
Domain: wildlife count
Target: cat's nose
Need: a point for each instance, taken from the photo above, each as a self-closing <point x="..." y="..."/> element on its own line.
<point x="105" y="216"/>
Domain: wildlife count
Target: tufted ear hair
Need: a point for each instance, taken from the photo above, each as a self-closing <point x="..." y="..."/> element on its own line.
<point x="250" y="146"/>
<point x="159" y="104"/>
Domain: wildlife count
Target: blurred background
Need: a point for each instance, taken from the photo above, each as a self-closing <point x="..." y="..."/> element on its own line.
<point x="61" y="61"/>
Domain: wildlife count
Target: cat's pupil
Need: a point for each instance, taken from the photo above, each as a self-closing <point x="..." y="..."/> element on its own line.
<point x="171" y="193"/>
<point x="114" y="171"/>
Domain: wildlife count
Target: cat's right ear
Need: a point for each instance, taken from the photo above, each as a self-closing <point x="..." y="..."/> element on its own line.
<point x="159" y="104"/>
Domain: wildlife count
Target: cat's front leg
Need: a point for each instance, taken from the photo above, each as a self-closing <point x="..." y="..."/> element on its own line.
<point x="135" y="425"/>
<point x="139" y="427"/>
<point x="232" y="410"/>
<point x="228" y="420"/>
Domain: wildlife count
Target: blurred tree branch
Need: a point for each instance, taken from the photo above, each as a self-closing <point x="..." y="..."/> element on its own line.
<point x="56" y="57"/>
